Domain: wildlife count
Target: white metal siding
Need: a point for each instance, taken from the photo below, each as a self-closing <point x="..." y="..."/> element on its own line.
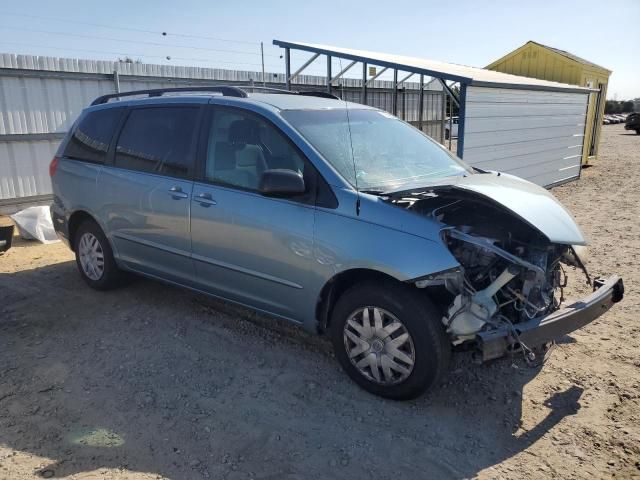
<point x="537" y="135"/>
<point x="25" y="168"/>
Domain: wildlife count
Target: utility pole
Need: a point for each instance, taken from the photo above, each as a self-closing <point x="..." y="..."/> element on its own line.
<point x="264" y="83"/>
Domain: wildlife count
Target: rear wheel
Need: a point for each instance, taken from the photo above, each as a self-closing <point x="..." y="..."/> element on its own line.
<point x="94" y="257"/>
<point x="389" y="339"/>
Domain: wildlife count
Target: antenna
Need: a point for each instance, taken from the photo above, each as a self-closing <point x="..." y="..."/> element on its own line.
<point x="353" y="158"/>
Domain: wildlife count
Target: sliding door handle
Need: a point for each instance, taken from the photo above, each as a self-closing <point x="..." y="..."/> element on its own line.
<point x="205" y="199"/>
<point x="177" y="193"/>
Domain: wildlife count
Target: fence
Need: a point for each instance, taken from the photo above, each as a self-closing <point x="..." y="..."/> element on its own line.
<point x="41" y="96"/>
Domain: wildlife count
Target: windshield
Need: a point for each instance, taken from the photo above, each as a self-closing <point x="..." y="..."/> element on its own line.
<point x="388" y="153"/>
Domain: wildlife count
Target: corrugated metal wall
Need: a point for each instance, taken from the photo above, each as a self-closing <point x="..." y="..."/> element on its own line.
<point x="537" y="135"/>
<point x="40" y="97"/>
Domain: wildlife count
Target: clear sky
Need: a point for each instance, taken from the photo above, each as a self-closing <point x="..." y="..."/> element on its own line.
<point x="463" y="31"/>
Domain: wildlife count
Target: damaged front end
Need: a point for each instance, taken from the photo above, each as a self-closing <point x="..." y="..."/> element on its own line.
<point x="508" y="292"/>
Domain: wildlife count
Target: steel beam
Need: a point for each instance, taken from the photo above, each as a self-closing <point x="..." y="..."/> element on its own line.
<point x="406" y="78"/>
<point x="305" y="65"/>
<point x="343" y="71"/>
<point x="449" y="91"/>
<point x="377" y="75"/>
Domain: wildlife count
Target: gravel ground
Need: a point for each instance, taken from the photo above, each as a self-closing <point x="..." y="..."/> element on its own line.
<point x="150" y="381"/>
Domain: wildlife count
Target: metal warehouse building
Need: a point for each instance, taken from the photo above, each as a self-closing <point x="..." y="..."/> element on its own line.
<point x="540" y="61"/>
<point x="525" y="126"/>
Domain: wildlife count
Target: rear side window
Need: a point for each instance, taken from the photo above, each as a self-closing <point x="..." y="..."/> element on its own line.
<point x="158" y="140"/>
<point x="91" y="136"/>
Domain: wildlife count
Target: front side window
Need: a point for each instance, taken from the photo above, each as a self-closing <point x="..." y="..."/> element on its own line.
<point x="241" y="146"/>
<point x="158" y="140"/>
<point x="90" y="138"/>
<point x="374" y="150"/>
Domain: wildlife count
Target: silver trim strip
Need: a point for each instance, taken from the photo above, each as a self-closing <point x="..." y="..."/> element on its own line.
<point x="208" y="260"/>
<point x="246" y="271"/>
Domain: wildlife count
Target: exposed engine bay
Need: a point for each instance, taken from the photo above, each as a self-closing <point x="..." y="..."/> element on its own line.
<point x="510" y="272"/>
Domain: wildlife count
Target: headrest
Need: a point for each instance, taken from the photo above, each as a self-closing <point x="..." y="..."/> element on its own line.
<point x="244" y="131"/>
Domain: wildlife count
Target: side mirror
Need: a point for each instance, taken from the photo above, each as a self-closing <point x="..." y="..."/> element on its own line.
<point x="281" y="183"/>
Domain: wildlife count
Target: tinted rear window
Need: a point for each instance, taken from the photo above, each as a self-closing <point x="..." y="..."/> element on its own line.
<point x="158" y="140"/>
<point x="91" y="137"/>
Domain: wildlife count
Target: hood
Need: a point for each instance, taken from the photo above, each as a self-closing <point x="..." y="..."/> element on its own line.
<point x="532" y="203"/>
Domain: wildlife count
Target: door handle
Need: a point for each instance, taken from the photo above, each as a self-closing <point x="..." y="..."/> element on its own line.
<point x="177" y="193"/>
<point x="205" y="199"/>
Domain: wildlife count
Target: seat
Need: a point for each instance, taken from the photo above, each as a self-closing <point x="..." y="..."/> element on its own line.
<point x="239" y="161"/>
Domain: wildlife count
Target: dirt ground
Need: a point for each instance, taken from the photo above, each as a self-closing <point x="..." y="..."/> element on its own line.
<point x="150" y="381"/>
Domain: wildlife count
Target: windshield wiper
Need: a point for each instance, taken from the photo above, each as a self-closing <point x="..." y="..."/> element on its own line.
<point x="373" y="192"/>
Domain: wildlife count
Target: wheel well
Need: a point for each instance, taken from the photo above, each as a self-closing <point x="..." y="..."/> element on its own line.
<point x="75" y="221"/>
<point x="338" y="284"/>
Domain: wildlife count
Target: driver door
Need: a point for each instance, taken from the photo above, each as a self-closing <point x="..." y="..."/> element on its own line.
<point x="246" y="247"/>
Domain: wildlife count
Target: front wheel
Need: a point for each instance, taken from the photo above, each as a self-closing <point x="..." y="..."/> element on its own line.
<point x="389" y="339"/>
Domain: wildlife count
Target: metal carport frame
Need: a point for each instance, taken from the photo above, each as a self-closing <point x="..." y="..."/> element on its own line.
<point x="563" y="105"/>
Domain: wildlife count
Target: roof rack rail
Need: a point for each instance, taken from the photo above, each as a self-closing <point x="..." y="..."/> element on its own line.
<point x="308" y="93"/>
<point x="225" y="90"/>
<point x="318" y="93"/>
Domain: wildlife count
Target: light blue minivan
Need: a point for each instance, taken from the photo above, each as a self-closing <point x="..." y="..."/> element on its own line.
<point x="336" y="216"/>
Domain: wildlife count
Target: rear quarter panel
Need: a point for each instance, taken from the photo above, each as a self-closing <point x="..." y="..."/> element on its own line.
<point x="74" y="188"/>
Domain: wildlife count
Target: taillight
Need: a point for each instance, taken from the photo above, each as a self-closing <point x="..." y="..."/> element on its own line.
<point x="53" y="166"/>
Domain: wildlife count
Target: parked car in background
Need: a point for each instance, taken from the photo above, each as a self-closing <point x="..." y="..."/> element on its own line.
<point x="336" y="216"/>
<point x="633" y="122"/>
<point x="451" y="124"/>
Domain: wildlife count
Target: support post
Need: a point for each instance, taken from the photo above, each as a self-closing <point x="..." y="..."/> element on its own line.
<point x="443" y="108"/>
<point x="363" y="95"/>
<point x="287" y="68"/>
<point x="421" y="103"/>
<point x="116" y="81"/>
<point x="450" y="120"/>
<point x="329" y="74"/>
<point x="394" y="101"/>
<point x="461" y="119"/>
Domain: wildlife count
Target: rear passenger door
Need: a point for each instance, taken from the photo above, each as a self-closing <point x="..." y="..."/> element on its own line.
<point x="148" y="190"/>
<point x="247" y="247"/>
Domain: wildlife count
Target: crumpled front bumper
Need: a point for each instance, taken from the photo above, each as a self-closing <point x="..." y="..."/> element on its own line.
<point x="537" y="332"/>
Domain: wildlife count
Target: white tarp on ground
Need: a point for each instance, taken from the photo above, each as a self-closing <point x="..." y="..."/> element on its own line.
<point x="34" y="223"/>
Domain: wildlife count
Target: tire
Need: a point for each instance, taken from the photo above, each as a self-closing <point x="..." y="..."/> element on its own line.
<point x="104" y="273"/>
<point x="426" y="344"/>
<point x="638" y="131"/>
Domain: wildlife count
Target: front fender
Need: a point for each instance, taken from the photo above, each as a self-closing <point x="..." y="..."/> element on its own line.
<point x="345" y="243"/>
